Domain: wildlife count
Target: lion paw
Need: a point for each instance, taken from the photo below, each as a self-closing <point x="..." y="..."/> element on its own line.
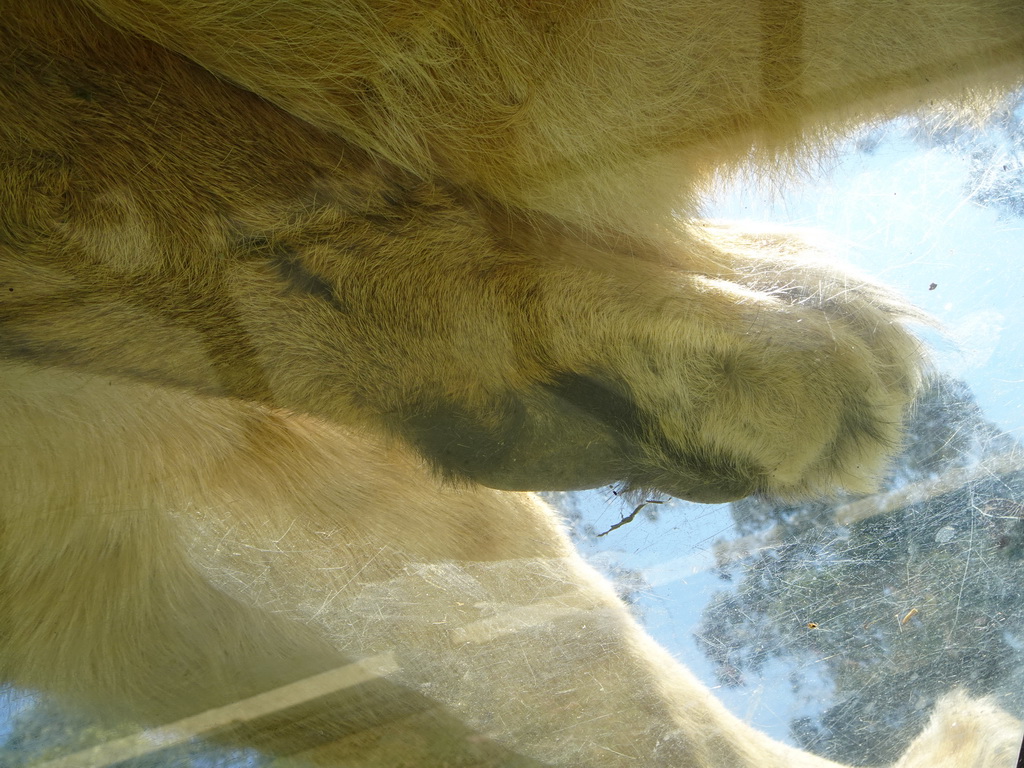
<point x="754" y="368"/>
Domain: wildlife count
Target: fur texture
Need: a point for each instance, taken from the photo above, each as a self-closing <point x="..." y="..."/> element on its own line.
<point x="283" y="286"/>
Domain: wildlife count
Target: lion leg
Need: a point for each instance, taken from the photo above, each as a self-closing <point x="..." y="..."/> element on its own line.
<point x="199" y="552"/>
<point x="721" y="366"/>
<point x="113" y="600"/>
<point x="600" y="110"/>
<point x="307" y="591"/>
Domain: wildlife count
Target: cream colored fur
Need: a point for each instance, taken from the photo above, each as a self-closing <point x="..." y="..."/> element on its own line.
<point x="284" y="286"/>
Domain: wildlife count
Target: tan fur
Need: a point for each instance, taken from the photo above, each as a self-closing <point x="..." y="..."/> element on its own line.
<point x="273" y="311"/>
